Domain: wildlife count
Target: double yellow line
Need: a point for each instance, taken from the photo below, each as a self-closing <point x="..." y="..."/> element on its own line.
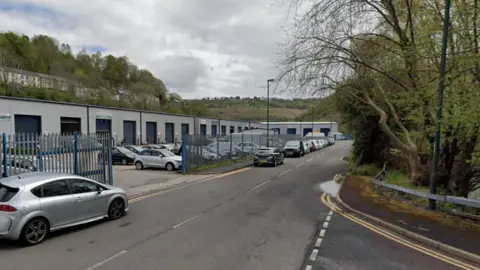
<point x="460" y="264"/>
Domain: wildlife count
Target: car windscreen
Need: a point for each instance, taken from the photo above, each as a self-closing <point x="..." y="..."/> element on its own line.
<point x="292" y="144"/>
<point x="7" y="193"/>
<point x="124" y="150"/>
<point x="264" y="151"/>
<point x="166" y="153"/>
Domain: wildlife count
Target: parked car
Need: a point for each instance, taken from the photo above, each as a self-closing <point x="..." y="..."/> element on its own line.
<point x="306" y="147"/>
<point x="158" y="158"/>
<point x="294" y="148"/>
<point x="208" y="153"/>
<point x="122" y="155"/>
<point x="134" y="148"/>
<point x="268" y="156"/>
<point x="33" y="205"/>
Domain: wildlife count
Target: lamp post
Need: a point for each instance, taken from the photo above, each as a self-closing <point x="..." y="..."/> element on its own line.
<point x="268" y="109"/>
<point x="441" y="87"/>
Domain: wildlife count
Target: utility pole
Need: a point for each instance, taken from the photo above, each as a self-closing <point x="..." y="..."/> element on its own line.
<point x="441" y="86"/>
<point x="268" y="110"/>
<point x="312" y="121"/>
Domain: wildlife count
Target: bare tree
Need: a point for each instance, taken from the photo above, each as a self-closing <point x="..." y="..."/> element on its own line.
<point x="373" y="41"/>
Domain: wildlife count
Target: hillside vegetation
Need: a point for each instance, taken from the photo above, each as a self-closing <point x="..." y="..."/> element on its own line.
<point x="255" y="108"/>
<point x="107" y="76"/>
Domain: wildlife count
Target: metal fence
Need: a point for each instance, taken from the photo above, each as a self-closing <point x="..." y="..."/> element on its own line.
<point x="87" y="155"/>
<point x="202" y="150"/>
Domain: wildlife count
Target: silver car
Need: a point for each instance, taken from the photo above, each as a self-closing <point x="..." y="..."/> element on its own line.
<point x="157" y="158"/>
<point x="34" y="204"/>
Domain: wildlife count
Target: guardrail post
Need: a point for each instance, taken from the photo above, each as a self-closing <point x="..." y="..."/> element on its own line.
<point x="231" y="142"/>
<point x="75" y="153"/>
<point x="184" y="153"/>
<point x="4" y="150"/>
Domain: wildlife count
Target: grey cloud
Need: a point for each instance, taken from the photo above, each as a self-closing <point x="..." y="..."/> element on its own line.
<point x="181" y="72"/>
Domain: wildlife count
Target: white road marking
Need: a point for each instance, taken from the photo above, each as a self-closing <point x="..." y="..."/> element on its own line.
<point x="106" y="260"/>
<point x="257" y="186"/>
<point x="330" y="213"/>
<point x="185" y="221"/>
<point x="322" y="233"/>
<point x="318" y="242"/>
<point x="308" y="160"/>
<point x="325" y="225"/>
<point x="314" y="254"/>
<point x="285" y="172"/>
<point x="300" y="164"/>
<point x="329" y="217"/>
<point x="308" y="267"/>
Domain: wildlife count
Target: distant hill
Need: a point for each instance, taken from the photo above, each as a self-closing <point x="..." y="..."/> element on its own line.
<point x="255" y="108"/>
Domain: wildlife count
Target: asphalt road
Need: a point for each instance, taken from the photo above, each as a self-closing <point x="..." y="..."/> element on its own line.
<point x="262" y="218"/>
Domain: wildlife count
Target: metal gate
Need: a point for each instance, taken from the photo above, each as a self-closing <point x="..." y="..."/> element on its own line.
<point x="87" y="155"/>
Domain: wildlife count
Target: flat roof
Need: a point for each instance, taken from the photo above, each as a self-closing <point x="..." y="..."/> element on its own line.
<point x="298" y="123"/>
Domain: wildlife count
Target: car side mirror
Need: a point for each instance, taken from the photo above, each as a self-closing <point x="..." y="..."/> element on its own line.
<point x="99" y="189"/>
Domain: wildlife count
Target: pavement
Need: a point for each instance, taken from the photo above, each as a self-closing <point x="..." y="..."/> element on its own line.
<point x="445" y="229"/>
<point x="257" y="218"/>
<point x="140" y="182"/>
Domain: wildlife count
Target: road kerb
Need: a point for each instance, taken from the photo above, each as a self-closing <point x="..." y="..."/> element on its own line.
<point x="184" y="183"/>
<point x="414" y="236"/>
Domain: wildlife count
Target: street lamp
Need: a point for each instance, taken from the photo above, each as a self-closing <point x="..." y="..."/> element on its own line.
<point x="268" y="109"/>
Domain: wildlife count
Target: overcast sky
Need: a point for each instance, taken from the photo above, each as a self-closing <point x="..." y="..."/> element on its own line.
<point x="199" y="48"/>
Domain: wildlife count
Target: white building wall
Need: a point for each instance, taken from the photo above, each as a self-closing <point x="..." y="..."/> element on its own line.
<point x="50" y="114"/>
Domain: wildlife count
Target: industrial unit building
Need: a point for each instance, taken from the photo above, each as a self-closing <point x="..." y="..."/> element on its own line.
<point x="302" y="128"/>
<point x="20" y="115"/>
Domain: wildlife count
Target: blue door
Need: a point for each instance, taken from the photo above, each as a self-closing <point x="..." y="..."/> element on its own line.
<point x="325" y="131"/>
<point x="307" y="130"/>
<point x="214" y="130"/>
<point x="292" y="131"/>
<point x="151" y="132"/>
<point x="129" y="132"/>
<point x="169" y="132"/>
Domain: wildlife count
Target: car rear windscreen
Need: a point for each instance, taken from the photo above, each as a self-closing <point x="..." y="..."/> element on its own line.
<point x="7" y="193"/>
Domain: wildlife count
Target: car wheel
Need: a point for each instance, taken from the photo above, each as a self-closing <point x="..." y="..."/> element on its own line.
<point x="35" y="231"/>
<point x="275" y="163"/>
<point x="124" y="161"/>
<point x="139" y="165"/>
<point x="170" y="167"/>
<point x="116" y="209"/>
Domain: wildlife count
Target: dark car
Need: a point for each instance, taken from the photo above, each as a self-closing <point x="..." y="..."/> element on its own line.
<point x="135" y="149"/>
<point x="122" y="155"/>
<point x="268" y="156"/>
<point x="294" y="148"/>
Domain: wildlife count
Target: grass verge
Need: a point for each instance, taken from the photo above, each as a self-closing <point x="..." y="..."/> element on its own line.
<point x="217" y="164"/>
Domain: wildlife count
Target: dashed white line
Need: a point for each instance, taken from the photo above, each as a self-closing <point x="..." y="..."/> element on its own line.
<point x="308" y="160"/>
<point x="300" y="164"/>
<point x="314" y="254"/>
<point x="185" y="221"/>
<point x="329" y="217"/>
<point x="285" y="172"/>
<point x="257" y="186"/>
<point x="308" y="267"/>
<point x="330" y="213"/>
<point x="106" y="260"/>
<point x="318" y="242"/>
<point x="322" y="233"/>
<point x="325" y="225"/>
